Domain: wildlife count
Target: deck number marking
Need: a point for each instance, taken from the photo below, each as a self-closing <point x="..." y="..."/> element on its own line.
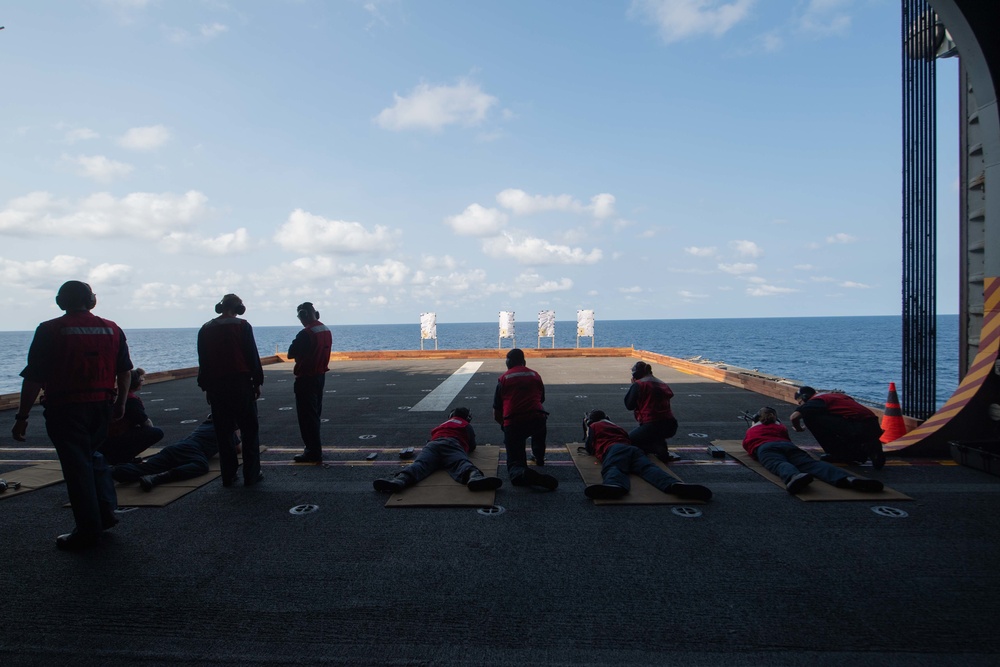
<point x="891" y="512"/>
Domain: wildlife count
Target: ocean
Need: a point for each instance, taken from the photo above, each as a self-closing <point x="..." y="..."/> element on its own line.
<point x="859" y="355"/>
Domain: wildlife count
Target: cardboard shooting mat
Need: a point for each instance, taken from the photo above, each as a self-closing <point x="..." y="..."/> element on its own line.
<point x="817" y="491"/>
<point x="440" y="490"/>
<point x="132" y="495"/>
<point x="31" y="478"/>
<point x="641" y="493"/>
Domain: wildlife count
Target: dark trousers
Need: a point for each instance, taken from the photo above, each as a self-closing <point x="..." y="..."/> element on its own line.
<point x="844" y="438"/>
<point x="651" y="437"/>
<point x="185" y="461"/>
<point x="76" y="431"/>
<point x="786" y="460"/>
<point x="515" y="441"/>
<point x="621" y="460"/>
<point x="308" y="407"/>
<point x="129" y="444"/>
<point x="235" y="407"/>
<point x="442" y="454"/>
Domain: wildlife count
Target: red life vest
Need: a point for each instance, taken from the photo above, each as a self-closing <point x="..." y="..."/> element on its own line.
<point x="844" y="406"/>
<point x="654" y="400"/>
<point x="84" y="358"/>
<point x="455" y="429"/>
<point x="221" y="350"/>
<point x="522" y="392"/>
<point x="320" y="343"/>
<point x="605" y="434"/>
<point x="762" y="434"/>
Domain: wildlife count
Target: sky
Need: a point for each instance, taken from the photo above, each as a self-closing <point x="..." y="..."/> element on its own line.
<point x="644" y="159"/>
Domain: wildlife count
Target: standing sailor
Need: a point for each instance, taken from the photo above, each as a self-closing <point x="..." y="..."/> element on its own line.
<point x="230" y="374"/>
<point x="311" y="352"/>
<point x="80" y="361"/>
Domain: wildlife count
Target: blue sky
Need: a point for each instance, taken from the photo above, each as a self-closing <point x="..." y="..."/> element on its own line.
<point x="381" y="158"/>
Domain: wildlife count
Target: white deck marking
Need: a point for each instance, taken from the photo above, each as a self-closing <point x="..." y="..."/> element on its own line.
<point x="444" y="393"/>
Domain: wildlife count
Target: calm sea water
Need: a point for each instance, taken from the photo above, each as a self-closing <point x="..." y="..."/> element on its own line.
<point x="859" y="355"/>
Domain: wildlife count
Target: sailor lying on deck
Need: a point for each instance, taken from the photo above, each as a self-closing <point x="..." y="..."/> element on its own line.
<point x="448" y="449"/>
<point x="768" y="442"/>
<point x="610" y="444"/>
<point x="186" y="459"/>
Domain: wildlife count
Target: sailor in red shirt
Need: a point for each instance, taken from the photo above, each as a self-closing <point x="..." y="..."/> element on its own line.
<point x="846" y="430"/>
<point x="448" y="449"/>
<point x="767" y="441"/>
<point x="517" y="407"/>
<point x="610" y="444"/>
<point x="311" y="352"/>
<point x="81" y="362"/>
<point x="649" y="400"/>
<point x="230" y="374"/>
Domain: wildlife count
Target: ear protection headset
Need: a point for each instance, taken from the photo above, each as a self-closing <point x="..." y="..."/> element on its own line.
<point x="595" y="416"/>
<point x="640" y="370"/>
<point x="462" y="413"/>
<point x="307" y="306"/>
<point x="74" y="294"/>
<point x="231" y="302"/>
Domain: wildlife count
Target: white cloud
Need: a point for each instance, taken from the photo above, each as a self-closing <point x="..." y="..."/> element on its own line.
<point x="230" y="243"/>
<point x="521" y="203"/>
<point x="854" y="285"/>
<point x="447" y="263"/>
<point x="684" y="19"/>
<point x="841" y="238"/>
<point x="38" y="274"/>
<point x="477" y="221"/>
<point x="145" y="138"/>
<point x="212" y="30"/>
<point x="747" y="248"/>
<point x="109" y="274"/>
<point x="99" y="167"/>
<point x="738" y="268"/>
<point x="708" y="251"/>
<point x="434" y="107"/>
<point x="822" y="279"/>
<point x="80" y="134"/>
<point x="601" y="206"/>
<point x="378" y="300"/>
<point x="145" y="215"/>
<point x="635" y="289"/>
<point x="309" y="234"/>
<point x="534" y="283"/>
<point x="826" y="17"/>
<point x="769" y="290"/>
<point x="691" y="295"/>
<point x="536" y="251"/>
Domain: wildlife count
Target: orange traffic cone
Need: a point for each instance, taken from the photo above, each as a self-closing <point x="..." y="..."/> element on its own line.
<point x="893" y="426"/>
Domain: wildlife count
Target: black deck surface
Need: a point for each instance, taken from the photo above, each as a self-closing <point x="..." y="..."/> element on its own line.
<point x="230" y="576"/>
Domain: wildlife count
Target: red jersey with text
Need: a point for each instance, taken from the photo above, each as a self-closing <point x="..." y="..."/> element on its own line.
<point x="603" y="434"/>
<point x="844" y="406"/>
<point x="311" y="350"/>
<point x="77" y="358"/>
<point x="456" y="429"/>
<point x="521" y="393"/>
<point x="227" y="352"/>
<point x="762" y="434"/>
<point x="652" y="402"/>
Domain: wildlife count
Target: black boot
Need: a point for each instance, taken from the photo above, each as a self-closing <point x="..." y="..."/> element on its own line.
<point x="393" y="484"/>
<point x="147" y="482"/>
<point x="479" y="482"/>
